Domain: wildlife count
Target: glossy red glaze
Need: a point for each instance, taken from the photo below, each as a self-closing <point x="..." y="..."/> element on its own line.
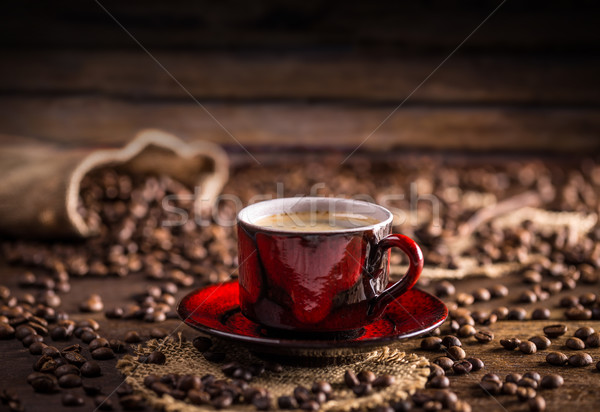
<point x="319" y="281"/>
<point x="215" y="311"/>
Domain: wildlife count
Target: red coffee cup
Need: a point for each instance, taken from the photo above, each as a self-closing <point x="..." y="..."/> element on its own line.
<point x="329" y="280"/>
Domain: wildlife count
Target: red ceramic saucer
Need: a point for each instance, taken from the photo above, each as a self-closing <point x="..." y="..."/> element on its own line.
<point x="215" y="311"/>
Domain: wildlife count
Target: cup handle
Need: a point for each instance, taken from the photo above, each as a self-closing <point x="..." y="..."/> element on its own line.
<point x="415" y="257"/>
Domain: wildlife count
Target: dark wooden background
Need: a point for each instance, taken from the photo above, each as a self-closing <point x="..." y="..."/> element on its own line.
<point x="309" y="74"/>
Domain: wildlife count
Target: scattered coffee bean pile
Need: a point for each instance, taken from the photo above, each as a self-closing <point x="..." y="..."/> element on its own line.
<point x="128" y="215"/>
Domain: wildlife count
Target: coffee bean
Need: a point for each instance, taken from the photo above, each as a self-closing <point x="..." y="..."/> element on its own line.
<point x="310" y="405"/>
<point x="541" y="342"/>
<point x="45" y="364"/>
<point x="537" y="404"/>
<point x="59" y="333"/>
<point x="363" y="389"/>
<point x="432" y="343"/>
<point x="91" y="389"/>
<point x="498" y="291"/>
<point x="569" y="301"/>
<point x="432" y="406"/>
<point x="552" y="381"/>
<point x="516" y="314"/>
<point x="438" y="382"/>
<point x="325" y="387"/>
<point x="90" y="369"/>
<point x="114" y="313"/>
<point x="464" y="299"/>
<point x="593" y="341"/>
<point x="124" y="389"/>
<point x="580" y="360"/>
<point x="578" y="313"/>
<point x="451" y="340"/>
<point x="466" y="331"/>
<point x="528" y="382"/>
<point x="36" y="348"/>
<point x="74" y="358"/>
<point x="491" y="387"/>
<point x="118" y="346"/>
<point x="286" y="402"/>
<point x="446" y="397"/>
<point x="528" y="296"/>
<point x="583" y="332"/>
<point x="540" y="314"/>
<point x="103" y="403"/>
<point x="532" y="375"/>
<point x="444" y="362"/>
<point x="482" y="295"/>
<point x="556" y="358"/>
<point x="525" y="393"/>
<point x="70" y="399"/>
<point x="513" y="377"/>
<point x="214" y="357"/>
<point x="92" y="304"/>
<point x="51" y="351"/>
<point x="484" y="336"/>
<point x="444" y="288"/>
<point x="420" y="398"/>
<point x="31" y="339"/>
<point x="435" y="370"/>
<point x="501" y="312"/>
<point x="132" y="337"/>
<point x="88" y="336"/>
<point x="554" y="331"/>
<point x="66" y="370"/>
<point x="510" y="343"/>
<point x="476" y="363"/>
<point x="301" y="394"/>
<point x="103" y="353"/>
<point x="462" y="367"/>
<point x="366" y="376"/>
<point x="456" y="353"/>
<point x="527" y="347"/>
<point x="160" y="388"/>
<point x="262" y="403"/>
<point x="43" y="383"/>
<point x="198" y="397"/>
<point x="509" y="388"/>
<point x="6" y="331"/>
<point x="157" y="358"/>
<point x="98" y="343"/>
<point x="24" y="330"/>
<point x="70" y="380"/>
<point x="588" y="299"/>
<point x="575" y="344"/>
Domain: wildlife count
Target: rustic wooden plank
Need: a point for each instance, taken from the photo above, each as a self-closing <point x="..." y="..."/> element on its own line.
<point x="108" y="121"/>
<point x="296" y="24"/>
<point x="551" y="79"/>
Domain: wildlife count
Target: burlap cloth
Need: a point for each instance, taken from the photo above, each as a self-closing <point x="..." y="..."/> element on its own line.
<point x="40" y="182"/>
<point x="410" y="371"/>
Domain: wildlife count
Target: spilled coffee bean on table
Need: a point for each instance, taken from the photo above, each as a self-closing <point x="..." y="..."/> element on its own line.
<point x="553" y="301"/>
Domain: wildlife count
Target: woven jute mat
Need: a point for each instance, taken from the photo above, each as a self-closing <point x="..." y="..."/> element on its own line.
<point x="409" y="370"/>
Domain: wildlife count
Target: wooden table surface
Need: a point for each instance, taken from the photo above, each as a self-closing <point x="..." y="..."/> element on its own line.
<point x="581" y="389"/>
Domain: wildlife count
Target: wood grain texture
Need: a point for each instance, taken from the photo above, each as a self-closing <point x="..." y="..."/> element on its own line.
<point x="99" y="121"/>
<point x="332" y="76"/>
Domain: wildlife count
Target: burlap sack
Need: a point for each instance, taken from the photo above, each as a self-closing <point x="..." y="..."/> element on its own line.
<point x="410" y="370"/>
<point x="39" y="190"/>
